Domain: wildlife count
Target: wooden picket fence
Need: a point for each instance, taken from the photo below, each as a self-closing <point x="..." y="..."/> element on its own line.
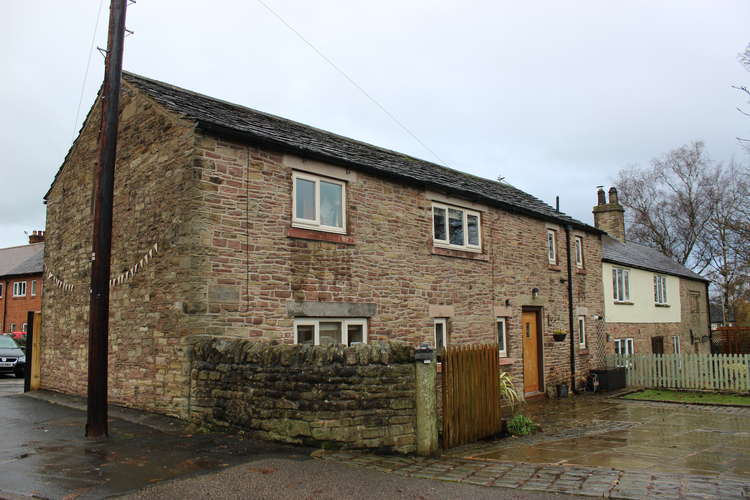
<point x="715" y="372"/>
<point x="471" y="393"/>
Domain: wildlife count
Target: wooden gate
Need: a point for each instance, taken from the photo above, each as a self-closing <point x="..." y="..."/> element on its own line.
<point x="471" y="393"/>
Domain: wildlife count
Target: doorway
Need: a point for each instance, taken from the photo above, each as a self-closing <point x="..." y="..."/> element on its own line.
<point x="533" y="381"/>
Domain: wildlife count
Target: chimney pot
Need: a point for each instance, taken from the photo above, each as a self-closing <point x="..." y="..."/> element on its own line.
<point x="613" y="195"/>
<point x="36" y="237"/>
<point x="601" y="197"/>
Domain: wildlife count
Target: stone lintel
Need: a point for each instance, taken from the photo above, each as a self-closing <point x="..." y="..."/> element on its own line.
<point x="331" y="309"/>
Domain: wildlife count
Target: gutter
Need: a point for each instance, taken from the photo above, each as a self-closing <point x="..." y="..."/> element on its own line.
<point x="571" y="322"/>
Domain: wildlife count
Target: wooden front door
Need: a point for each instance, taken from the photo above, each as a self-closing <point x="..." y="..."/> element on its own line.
<point x="530" y="335"/>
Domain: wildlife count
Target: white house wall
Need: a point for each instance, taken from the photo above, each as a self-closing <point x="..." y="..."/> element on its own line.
<point x="642" y="308"/>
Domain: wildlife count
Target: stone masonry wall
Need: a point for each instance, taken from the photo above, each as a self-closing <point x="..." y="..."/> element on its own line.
<point x="254" y="264"/>
<point x="329" y="396"/>
<point x="153" y="179"/>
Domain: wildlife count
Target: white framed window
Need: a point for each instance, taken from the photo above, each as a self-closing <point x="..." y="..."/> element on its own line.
<point x="624" y="347"/>
<point x="19" y="289"/>
<point x="621" y="285"/>
<point x="318" y="203"/>
<point x="660" y="289"/>
<point x="502" y="341"/>
<point x="33" y="288"/>
<point x="1" y="289"/>
<point x="676" y="344"/>
<point x="25" y="327"/>
<point x="440" y="328"/>
<point x="582" y="332"/>
<point x="12" y="327"/>
<point x="579" y="252"/>
<point x="454" y="227"/>
<point x="552" y="246"/>
<point x="326" y="331"/>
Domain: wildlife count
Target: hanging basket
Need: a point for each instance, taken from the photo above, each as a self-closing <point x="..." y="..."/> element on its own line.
<point x="559" y="336"/>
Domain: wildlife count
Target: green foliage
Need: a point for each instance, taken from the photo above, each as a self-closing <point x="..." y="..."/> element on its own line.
<point x="508" y="391"/>
<point x="690" y="397"/>
<point x="521" y="425"/>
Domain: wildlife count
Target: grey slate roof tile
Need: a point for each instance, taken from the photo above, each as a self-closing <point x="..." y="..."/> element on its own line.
<point x="222" y="117"/>
<point x="643" y="257"/>
<point x="25" y="259"/>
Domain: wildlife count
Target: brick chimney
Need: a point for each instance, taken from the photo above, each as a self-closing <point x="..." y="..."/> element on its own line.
<point x="610" y="217"/>
<point x="36" y="237"/>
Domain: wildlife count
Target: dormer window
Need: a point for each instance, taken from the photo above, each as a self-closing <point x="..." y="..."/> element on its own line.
<point x="457" y="228"/>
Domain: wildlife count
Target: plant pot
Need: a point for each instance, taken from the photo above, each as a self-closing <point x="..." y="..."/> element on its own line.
<point x="559" y="337"/>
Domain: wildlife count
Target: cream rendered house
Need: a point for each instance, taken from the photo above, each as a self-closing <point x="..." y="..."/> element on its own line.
<point x="652" y="304"/>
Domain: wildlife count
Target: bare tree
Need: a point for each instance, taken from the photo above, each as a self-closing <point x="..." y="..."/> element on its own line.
<point x="744" y="58"/>
<point x="695" y="211"/>
<point x="668" y="204"/>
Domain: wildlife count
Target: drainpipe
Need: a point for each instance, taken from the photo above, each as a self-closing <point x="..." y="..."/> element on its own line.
<point x="571" y="321"/>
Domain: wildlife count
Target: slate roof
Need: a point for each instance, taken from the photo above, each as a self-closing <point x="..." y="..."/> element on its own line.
<point x="235" y="121"/>
<point x="643" y="257"/>
<point x="25" y="259"/>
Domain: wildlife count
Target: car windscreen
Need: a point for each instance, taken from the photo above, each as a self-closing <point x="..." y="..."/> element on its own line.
<point x="7" y="342"/>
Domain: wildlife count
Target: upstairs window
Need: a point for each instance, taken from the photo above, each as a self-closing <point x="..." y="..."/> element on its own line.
<point x="456" y="227"/>
<point x="660" y="289"/>
<point x="318" y="203"/>
<point x="552" y="246"/>
<point x="579" y="252"/>
<point x="33" y="288"/>
<point x="19" y="289"/>
<point x="621" y="285"/>
<point x="325" y="331"/>
<point x="1" y="290"/>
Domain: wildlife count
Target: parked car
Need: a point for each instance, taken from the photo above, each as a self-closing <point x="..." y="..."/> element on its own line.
<point x="12" y="358"/>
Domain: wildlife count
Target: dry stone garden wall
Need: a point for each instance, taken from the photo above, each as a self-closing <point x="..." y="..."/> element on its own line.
<point x="326" y="396"/>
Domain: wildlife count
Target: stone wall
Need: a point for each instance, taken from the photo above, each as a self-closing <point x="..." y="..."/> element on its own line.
<point x="329" y="396"/>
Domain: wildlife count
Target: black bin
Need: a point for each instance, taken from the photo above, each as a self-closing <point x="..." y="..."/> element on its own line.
<point x="611" y="379"/>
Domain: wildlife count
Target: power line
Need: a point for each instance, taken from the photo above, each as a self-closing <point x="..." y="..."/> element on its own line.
<point x="86" y="73"/>
<point x="351" y="80"/>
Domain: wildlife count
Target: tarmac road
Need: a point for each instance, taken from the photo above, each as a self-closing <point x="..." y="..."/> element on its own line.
<point x="279" y="479"/>
<point x="9" y="384"/>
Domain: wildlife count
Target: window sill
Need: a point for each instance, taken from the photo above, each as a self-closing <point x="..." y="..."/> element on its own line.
<point x="506" y="361"/>
<point x="623" y="303"/>
<point x="309" y="234"/>
<point x="554" y="267"/>
<point x="583" y="351"/>
<point x="580" y="271"/>
<point x="460" y="254"/>
<point x="662" y="305"/>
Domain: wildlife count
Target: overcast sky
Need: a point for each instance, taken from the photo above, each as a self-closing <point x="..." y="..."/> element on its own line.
<point x="555" y="96"/>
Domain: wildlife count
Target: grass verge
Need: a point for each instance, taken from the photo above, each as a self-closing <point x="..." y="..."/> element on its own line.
<point x="689" y="397"/>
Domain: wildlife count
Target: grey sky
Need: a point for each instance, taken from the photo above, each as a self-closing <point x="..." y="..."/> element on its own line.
<point x="555" y="96"/>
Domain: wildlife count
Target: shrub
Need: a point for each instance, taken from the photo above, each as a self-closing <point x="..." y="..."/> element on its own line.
<point x="521" y="425"/>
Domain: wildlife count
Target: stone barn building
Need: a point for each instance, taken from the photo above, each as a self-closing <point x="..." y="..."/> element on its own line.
<point x="233" y="222"/>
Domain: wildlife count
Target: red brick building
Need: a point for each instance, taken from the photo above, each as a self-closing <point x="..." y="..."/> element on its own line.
<point x="21" y="285"/>
<point x="271" y="229"/>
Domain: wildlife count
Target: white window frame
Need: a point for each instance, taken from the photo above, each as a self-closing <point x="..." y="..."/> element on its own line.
<point x="444" y="322"/>
<point x="1" y="289"/>
<point x="345" y="323"/>
<point x="33" y="288"/>
<point x="12" y="327"/>
<point x="582" y="339"/>
<point x="676" y="344"/>
<point x="552" y="246"/>
<point x="629" y="346"/>
<point x="579" y="252"/>
<point x="17" y="286"/>
<point x="660" y="289"/>
<point x="446" y="242"/>
<point x="25" y="327"/>
<point x="619" y="274"/>
<point x="315" y="224"/>
<point x="503" y="353"/>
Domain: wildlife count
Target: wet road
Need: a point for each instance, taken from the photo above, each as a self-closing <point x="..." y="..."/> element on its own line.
<point x="43" y="453"/>
<point x="9" y="384"/>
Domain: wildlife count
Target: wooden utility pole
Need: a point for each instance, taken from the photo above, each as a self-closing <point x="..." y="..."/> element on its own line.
<point x="104" y="180"/>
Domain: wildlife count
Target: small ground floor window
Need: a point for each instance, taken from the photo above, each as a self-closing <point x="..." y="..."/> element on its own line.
<point x="326" y="331"/>
<point x="441" y="333"/>
<point x="624" y="346"/>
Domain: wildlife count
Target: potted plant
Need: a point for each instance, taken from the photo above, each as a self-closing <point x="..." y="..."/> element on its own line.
<point x="559" y="335"/>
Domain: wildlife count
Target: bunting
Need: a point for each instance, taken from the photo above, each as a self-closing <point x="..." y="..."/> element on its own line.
<point x="135" y="268"/>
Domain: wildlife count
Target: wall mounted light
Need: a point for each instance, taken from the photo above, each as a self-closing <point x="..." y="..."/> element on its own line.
<point x="534" y="293"/>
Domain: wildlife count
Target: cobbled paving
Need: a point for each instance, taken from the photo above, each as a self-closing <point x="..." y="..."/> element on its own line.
<point x="568" y="479"/>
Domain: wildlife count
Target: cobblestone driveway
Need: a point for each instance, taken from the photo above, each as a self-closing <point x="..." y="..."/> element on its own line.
<point x="601" y="447"/>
